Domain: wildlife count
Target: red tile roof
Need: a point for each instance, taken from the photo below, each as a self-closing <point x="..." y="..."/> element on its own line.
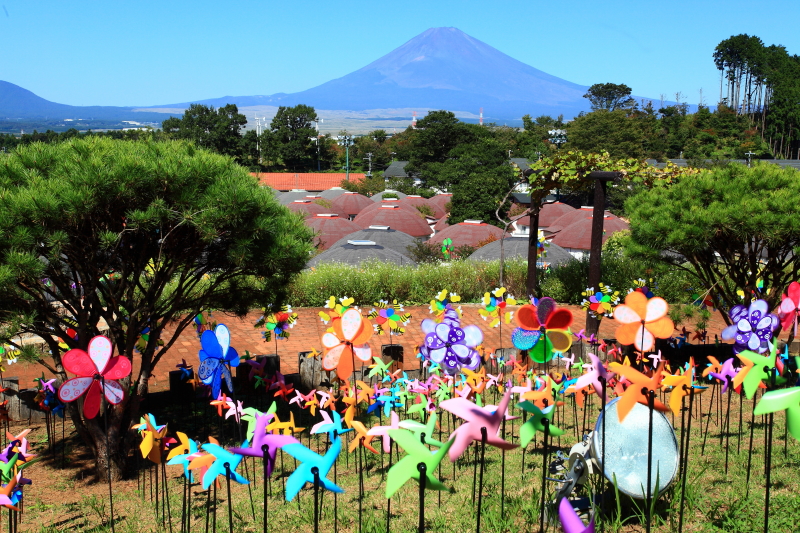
<point x="405" y="219"/>
<point x="350" y="204"/>
<point x="310" y="181"/>
<point x="467" y="233"/>
<point x="578" y="235"/>
<point x="330" y="229"/>
<point x="548" y="214"/>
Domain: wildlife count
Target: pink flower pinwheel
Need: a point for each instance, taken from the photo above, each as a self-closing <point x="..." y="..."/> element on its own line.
<point x="96" y="371"/>
<point x="790" y="307"/>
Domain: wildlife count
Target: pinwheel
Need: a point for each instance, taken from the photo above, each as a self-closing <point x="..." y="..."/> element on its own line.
<point x="640" y="285"/>
<point x="277" y="324"/>
<point x="756" y="368"/>
<point x="154" y="440"/>
<point x="216" y="356"/>
<point x="221" y="457"/>
<point x="379" y="368"/>
<point x="96" y="371"/>
<point x="543" y="330"/>
<point x="331" y="424"/>
<point x="337" y="310"/>
<point x="704" y="301"/>
<point x="416" y="453"/>
<point x="476" y="418"/>
<point x="288" y="427"/>
<point x="494" y="307"/>
<point x="451" y="346"/>
<point x="443" y="307"/>
<point x="186" y="370"/>
<point x="309" y="460"/>
<point x="447" y="248"/>
<point x="534" y="423"/>
<point x="600" y="303"/>
<point x="780" y="400"/>
<point x="361" y="438"/>
<point x="726" y="374"/>
<point x="642" y="321"/>
<point x="790" y="307"/>
<point x="383" y="431"/>
<point x="255" y="447"/>
<point x="640" y="386"/>
<point x="752" y="327"/>
<point x="389" y="317"/>
<point x="184" y="454"/>
<point x="570" y="521"/>
<point x="418" y="429"/>
<point x="682" y="386"/>
<point x="347" y="342"/>
<point x="204" y="322"/>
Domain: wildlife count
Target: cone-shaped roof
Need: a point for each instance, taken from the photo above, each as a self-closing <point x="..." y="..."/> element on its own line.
<point x="405" y="219"/>
<point x="355" y="253"/>
<point x="330" y="228"/>
<point x="517" y="247"/>
<point x="382" y="236"/>
<point x="578" y="235"/>
<point x="468" y="233"/>
<point x="308" y="207"/>
<point x="414" y="201"/>
<point x="350" y="204"/>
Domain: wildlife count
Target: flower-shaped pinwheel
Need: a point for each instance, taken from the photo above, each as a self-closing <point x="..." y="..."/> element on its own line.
<point x="494" y="304"/>
<point x="443" y="307"/>
<point x="600" y="303"/>
<point x="447" y="248"/>
<point x="336" y="309"/>
<point x="215" y="357"/>
<point x="277" y="324"/>
<point x="541" y="245"/>
<point x="643" y="321"/>
<point x="96" y="371"/>
<point x="451" y="346"/>
<point x="542" y="330"/>
<point x="790" y="306"/>
<point x="752" y="327"/>
<point x="389" y="317"/>
<point x="347" y="342"/>
<point x="204" y="322"/>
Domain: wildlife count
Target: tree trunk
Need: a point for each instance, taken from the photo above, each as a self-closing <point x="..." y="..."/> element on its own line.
<point x="532" y="285"/>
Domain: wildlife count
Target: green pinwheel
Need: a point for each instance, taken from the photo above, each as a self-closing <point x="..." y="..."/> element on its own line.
<point x="535" y="422"/>
<point x="417" y="429"/>
<point x="447" y="248"/>
<point x="783" y="400"/>
<point x="406" y="468"/>
<point x="379" y="368"/>
<point x="756" y="368"/>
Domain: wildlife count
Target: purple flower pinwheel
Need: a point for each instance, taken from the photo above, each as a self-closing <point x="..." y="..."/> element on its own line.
<point x="451" y="346"/>
<point x="752" y="327"/>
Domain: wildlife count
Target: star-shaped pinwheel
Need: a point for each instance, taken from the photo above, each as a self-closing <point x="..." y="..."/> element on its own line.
<point x="383" y="431"/>
<point x="309" y="460"/>
<point x="419" y="429"/>
<point x="475" y="419"/>
<point x="261" y="438"/>
<point x="757" y="368"/>
<point x="416" y="453"/>
<point x="217" y="468"/>
<point x="329" y="425"/>
<point x="780" y="400"/>
<point x="183" y="454"/>
<point x="535" y="423"/>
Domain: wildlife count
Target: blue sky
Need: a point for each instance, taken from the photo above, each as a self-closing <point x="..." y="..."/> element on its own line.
<point x="142" y="52"/>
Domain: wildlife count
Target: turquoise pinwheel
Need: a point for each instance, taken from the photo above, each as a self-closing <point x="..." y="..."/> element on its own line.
<point x="217" y="468"/>
<point x="331" y="426"/>
<point x="191" y="451"/>
<point x="309" y="460"/>
<point x="416" y="453"/>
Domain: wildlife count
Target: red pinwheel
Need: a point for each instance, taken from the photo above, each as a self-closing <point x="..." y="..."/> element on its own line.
<point x="96" y="370"/>
<point x="790" y="306"/>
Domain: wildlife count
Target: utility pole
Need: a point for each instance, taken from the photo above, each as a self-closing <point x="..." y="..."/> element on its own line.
<point x="369" y="158"/>
<point x="347" y="141"/>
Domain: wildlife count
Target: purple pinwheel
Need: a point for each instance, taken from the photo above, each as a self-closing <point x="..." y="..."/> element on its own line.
<point x="727" y="371"/>
<point x="260" y="438"/>
<point x="451" y="346"/>
<point x="752" y="327"/>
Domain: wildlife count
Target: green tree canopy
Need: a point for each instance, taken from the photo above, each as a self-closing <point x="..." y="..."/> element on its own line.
<point x="292" y="133"/>
<point x="219" y="130"/>
<point x="610" y="96"/>
<point x="136" y="235"/>
<point x="615" y="132"/>
<point x="730" y="225"/>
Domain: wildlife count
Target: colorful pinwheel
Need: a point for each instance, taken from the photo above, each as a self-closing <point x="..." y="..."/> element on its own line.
<point x="494" y="304"/>
<point x="600" y="303"/>
<point x="97" y="371"/>
<point x="475" y="418"/>
<point x="443" y="307"/>
<point x="451" y="346"/>
<point x="216" y="356"/>
<point x="277" y="324"/>
<point x="783" y="400"/>
<point x="752" y="327"/>
<point x="347" y="342"/>
<point x="309" y="460"/>
<point x="416" y="453"/>
<point x="535" y="423"/>
<point x="790" y="307"/>
<point x="389" y="317"/>
<point x="447" y="248"/>
<point x="640" y="285"/>
<point x="643" y="321"/>
<point x="542" y="330"/>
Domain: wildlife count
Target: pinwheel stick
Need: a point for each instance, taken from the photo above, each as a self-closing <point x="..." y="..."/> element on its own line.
<point x="230" y="503"/>
<point x="768" y="462"/>
<point x="480" y="482"/>
<point x="265" y="455"/>
<point x="422" y="469"/>
<point x="651" y="398"/>
<point x="546" y="424"/>
<point x="685" y="461"/>
<point x="315" y="472"/>
<point x="165" y="496"/>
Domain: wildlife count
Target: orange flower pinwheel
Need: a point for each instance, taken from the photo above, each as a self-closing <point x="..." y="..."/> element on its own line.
<point x="347" y="342"/>
<point x="643" y="321"/>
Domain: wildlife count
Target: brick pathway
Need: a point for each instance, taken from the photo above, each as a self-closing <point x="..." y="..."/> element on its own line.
<point x="306" y="335"/>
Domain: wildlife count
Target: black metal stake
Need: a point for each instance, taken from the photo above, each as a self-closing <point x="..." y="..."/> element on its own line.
<point x="265" y="455"/>
<point x="546" y="424"/>
<point x="422" y="468"/>
<point x="651" y="397"/>
<point x="685" y="461"/>
<point x="480" y="482"/>
<point x="230" y="502"/>
<point x="315" y="472"/>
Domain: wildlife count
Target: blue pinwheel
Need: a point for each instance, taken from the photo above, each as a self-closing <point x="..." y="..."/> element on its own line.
<point x="309" y="460"/>
<point x="216" y="356"/>
<point x="330" y="425"/>
<point x="451" y="346"/>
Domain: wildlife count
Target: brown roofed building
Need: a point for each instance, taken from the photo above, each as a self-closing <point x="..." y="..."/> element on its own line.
<point x="309" y="181"/>
<point x="405" y="219"/>
<point x="330" y="228"/>
<point x="469" y="232"/>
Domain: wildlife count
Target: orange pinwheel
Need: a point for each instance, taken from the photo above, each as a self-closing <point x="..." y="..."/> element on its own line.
<point x="640" y="386"/>
<point x="361" y="437"/>
<point x="347" y="342"/>
<point x="681" y="386"/>
<point x="643" y="321"/>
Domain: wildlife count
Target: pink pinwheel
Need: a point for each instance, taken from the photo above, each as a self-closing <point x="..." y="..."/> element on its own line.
<point x="261" y="438"/>
<point x="790" y="307"/>
<point x="570" y="520"/>
<point x="383" y="431"/>
<point x="593" y="376"/>
<point x="96" y="371"/>
<point x="475" y="419"/>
